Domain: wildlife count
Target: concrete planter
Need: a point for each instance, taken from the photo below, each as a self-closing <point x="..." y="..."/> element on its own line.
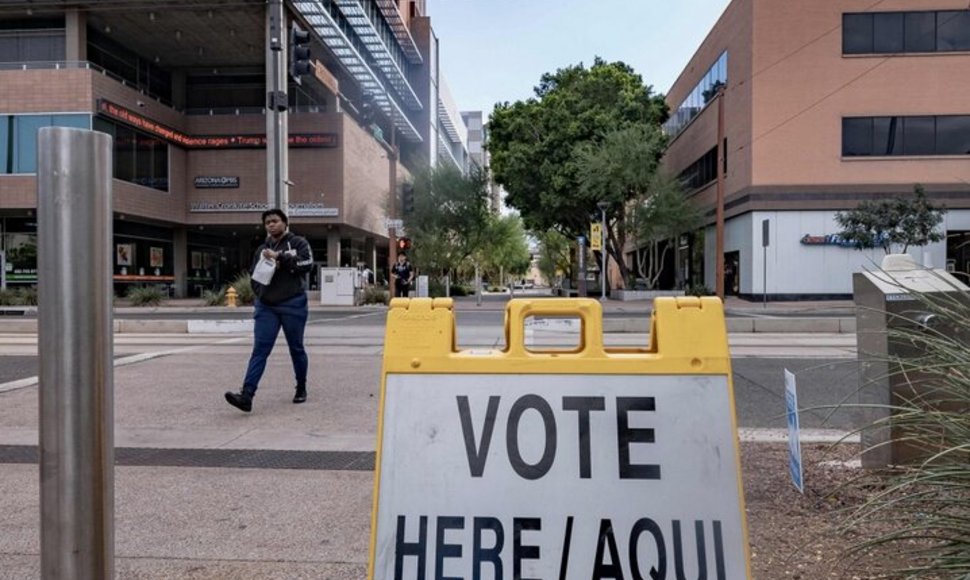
<point x="631" y="295"/>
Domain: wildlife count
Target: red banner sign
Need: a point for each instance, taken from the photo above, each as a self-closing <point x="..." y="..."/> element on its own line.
<point x="129" y="117"/>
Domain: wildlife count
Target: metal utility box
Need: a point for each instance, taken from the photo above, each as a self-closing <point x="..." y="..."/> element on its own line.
<point x="886" y="300"/>
<point x="338" y="286"/>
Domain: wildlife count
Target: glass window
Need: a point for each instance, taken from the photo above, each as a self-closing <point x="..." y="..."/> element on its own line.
<point x="9" y="49"/>
<point x="856" y="136"/>
<point x="953" y="30"/>
<point x="887" y="32"/>
<point x="953" y="135"/>
<point x="919" y="135"/>
<point x="77" y="121"/>
<point x="856" y="33"/>
<point x="160" y="165"/>
<point x="887" y="136"/>
<point x="25" y="141"/>
<point x="124" y="153"/>
<point x="6" y="142"/>
<point x="920" y="32"/>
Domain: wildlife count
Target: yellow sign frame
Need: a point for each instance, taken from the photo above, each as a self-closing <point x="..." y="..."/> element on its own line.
<point x="688" y="336"/>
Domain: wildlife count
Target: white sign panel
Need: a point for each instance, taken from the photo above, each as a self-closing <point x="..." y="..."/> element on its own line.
<point x="558" y="476"/>
<point x="393" y="224"/>
<point x="794" y="443"/>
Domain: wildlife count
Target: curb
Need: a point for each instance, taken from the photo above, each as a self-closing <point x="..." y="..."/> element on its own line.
<point x="610" y="325"/>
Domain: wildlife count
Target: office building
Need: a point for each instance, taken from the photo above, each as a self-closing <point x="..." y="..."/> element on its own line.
<point x="182" y="88"/>
<point x="825" y="103"/>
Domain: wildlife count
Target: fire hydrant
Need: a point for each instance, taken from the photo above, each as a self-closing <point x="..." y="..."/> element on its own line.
<point x="231" y="297"/>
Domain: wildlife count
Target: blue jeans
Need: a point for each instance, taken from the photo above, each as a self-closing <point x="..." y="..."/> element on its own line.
<point x="291" y="315"/>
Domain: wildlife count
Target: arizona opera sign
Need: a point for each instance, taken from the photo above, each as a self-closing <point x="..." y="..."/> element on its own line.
<point x="129" y="117"/>
<point x="558" y="476"/>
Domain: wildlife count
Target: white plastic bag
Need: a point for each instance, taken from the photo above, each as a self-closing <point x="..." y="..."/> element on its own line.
<point x="264" y="270"/>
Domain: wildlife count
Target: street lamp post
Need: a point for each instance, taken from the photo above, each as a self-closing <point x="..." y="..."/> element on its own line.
<point x="602" y="205"/>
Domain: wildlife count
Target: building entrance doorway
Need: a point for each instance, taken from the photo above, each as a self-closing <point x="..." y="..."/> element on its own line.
<point x="732" y="273"/>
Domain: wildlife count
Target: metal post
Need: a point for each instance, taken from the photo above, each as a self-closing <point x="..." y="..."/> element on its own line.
<point x="719" y="224"/>
<point x="606" y="255"/>
<point x="276" y="119"/>
<point x="76" y="373"/>
<point x="478" y="286"/>
<point x="3" y="270"/>
<point x="581" y="283"/>
<point x="764" y="273"/>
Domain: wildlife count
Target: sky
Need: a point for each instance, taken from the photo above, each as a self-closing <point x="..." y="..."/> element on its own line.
<point x="496" y="50"/>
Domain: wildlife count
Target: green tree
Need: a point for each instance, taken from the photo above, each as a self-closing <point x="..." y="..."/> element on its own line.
<point x="899" y="221"/>
<point x="449" y="221"/>
<point x="534" y="143"/>
<point x="505" y="251"/>
<point x="554" y="255"/>
<point x="620" y="171"/>
<point x="657" y="218"/>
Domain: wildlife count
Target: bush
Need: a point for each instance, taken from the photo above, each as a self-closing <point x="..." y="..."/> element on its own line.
<point x="146" y="296"/>
<point x="211" y="298"/>
<point x="244" y="290"/>
<point x="698" y="290"/>
<point x="374" y="295"/>
<point x="21" y="296"/>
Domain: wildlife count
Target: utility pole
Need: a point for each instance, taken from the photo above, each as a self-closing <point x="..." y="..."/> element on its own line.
<point x="719" y="227"/>
<point x="277" y="131"/>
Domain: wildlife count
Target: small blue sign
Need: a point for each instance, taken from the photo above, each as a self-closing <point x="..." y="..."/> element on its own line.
<point x="794" y="443"/>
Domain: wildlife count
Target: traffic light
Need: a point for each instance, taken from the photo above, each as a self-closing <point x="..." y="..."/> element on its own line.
<point x="367" y="109"/>
<point x="407" y="198"/>
<point x="404" y="244"/>
<point x="299" y="53"/>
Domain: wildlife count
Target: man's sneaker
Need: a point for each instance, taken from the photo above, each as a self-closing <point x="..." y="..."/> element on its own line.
<point x="241" y="400"/>
<point x="300" y="396"/>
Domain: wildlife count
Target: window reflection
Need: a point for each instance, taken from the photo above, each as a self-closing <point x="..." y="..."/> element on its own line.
<point x="902" y="32"/>
<point x="897" y="136"/>
<point x="699" y="97"/>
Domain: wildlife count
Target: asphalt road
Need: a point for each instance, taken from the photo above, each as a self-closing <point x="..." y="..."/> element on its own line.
<point x="758" y="383"/>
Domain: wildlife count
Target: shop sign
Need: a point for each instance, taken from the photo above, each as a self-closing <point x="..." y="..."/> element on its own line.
<point x="216" y="182"/>
<point x="293" y="209"/>
<point x="129" y="117"/>
<point x="837" y="240"/>
<point x="828" y="240"/>
<point x="311" y="210"/>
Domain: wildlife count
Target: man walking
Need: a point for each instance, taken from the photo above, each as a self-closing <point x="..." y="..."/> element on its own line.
<point x="282" y="303"/>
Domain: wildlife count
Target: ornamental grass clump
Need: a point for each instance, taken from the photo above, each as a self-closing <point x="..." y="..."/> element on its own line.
<point x="923" y="507"/>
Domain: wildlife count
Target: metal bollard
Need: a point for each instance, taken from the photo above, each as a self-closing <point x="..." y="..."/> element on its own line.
<point x="76" y="367"/>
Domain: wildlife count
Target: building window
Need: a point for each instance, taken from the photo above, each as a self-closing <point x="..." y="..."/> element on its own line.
<point x="139" y="158"/>
<point x="18" y="138"/>
<point x="701" y="172"/>
<point x="902" y="32"/>
<point x="906" y="136"/>
<point x="25" y="41"/>
<point x="703" y="93"/>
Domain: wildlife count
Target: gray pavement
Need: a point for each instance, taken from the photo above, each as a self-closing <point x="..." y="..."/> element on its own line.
<point x="204" y="491"/>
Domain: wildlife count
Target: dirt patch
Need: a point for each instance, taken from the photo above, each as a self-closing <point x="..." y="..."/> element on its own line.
<point x="794" y="535"/>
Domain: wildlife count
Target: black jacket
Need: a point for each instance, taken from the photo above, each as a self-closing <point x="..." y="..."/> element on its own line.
<point x="295" y="260"/>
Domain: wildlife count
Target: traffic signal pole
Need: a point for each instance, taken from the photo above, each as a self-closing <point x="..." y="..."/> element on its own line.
<point x="277" y="162"/>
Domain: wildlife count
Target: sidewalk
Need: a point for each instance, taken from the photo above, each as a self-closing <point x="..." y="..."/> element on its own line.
<point x="492" y="302"/>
